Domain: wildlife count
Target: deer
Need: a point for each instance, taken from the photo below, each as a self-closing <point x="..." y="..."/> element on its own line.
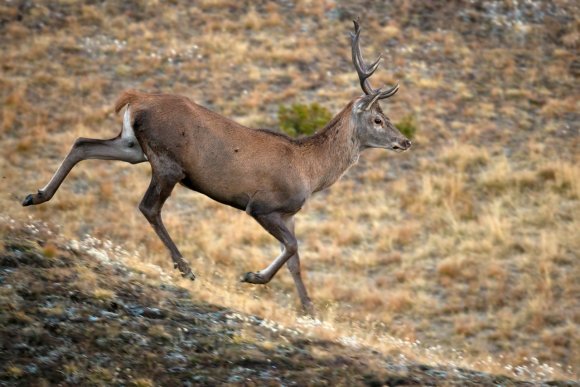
<point x="267" y="174"/>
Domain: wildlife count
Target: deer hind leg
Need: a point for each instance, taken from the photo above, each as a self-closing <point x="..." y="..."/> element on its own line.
<point x="159" y="190"/>
<point x="275" y="224"/>
<point x="293" y="266"/>
<point x="124" y="148"/>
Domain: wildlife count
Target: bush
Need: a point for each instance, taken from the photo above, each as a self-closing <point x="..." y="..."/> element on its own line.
<point x="407" y="126"/>
<point x="302" y="120"/>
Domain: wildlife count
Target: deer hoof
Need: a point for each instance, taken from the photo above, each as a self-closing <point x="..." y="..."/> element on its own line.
<point x="254" y="278"/>
<point x="34" y="199"/>
<point x="29" y="200"/>
<point x="184" y="269"/>
<point x="308" y="310"/>
<point x="189" y="275"/>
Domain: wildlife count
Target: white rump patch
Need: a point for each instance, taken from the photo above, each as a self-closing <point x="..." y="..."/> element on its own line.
<point x="128" y="132"/>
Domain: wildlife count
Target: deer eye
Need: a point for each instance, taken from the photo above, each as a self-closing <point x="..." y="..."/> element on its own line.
<point x="378" y="121"/>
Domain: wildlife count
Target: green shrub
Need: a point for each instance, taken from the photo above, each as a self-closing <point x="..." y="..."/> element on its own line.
<point x="407" y="126"/>
<point x="302" y="120"/>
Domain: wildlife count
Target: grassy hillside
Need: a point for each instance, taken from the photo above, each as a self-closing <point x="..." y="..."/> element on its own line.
<point x="463" y="251"/>
<point x="70" y="315"/>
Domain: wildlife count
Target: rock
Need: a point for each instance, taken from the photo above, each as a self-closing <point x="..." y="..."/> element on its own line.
<point x="154" y="313"/>
<point x="235" y="379"/>
<point x="109" y="315"/>
<point x="134" y="338"/>
<point x="31" y="369"/>
<point x="176" y="357"/>
<point x="148" y="312"/>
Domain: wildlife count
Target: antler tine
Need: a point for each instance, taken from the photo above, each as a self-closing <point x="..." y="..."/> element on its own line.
<point x="381" y="95"/>
<point x="362" y="70"/>
<point x="390" y="92"/>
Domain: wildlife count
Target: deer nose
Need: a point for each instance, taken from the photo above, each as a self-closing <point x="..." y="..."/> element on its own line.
<point x="406" y="144"/>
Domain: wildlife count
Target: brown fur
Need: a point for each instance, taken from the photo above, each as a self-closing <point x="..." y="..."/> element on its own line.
<point x="240" y="166"/>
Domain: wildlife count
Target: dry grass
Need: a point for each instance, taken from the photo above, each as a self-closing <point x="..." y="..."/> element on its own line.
<point x="467" y="244"/>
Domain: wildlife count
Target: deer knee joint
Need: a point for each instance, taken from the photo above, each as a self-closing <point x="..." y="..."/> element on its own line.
<point x="291" y="247"/>
<point x="81" y="142"/>
<point x="78" y="142"/>
<point x="148" y="212"/>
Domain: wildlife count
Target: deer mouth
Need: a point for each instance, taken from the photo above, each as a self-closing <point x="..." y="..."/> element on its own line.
<point x="401" y="146"/>
<point x="399" y="149"/>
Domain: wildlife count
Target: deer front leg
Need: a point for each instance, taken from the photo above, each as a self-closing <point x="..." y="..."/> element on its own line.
<point x="293" y="265"/>
<point x="159" y="190"/>
<point x="275" y="224"/>
<point x="123" y="149"/>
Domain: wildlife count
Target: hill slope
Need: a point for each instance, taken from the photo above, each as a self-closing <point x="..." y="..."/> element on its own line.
<point x="71" y="316"/>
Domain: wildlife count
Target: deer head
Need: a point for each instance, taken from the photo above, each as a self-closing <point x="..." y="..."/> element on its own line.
<point x="374" y="129"/>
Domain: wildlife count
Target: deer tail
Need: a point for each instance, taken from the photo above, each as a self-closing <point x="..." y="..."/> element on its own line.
<point x="128" y="97"/>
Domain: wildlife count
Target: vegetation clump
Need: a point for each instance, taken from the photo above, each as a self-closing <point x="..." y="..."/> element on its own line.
<point x="407" y="126"/>
<point x="302" y="119"/>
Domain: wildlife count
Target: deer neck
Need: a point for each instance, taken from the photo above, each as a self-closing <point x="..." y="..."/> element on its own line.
<point x="329" y="153"/>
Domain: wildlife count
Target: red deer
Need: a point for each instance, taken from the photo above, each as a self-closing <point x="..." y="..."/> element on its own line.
<point x="266" y="174"/>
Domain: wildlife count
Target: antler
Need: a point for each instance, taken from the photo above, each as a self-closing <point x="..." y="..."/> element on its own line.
<point x="364" y="71"/>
